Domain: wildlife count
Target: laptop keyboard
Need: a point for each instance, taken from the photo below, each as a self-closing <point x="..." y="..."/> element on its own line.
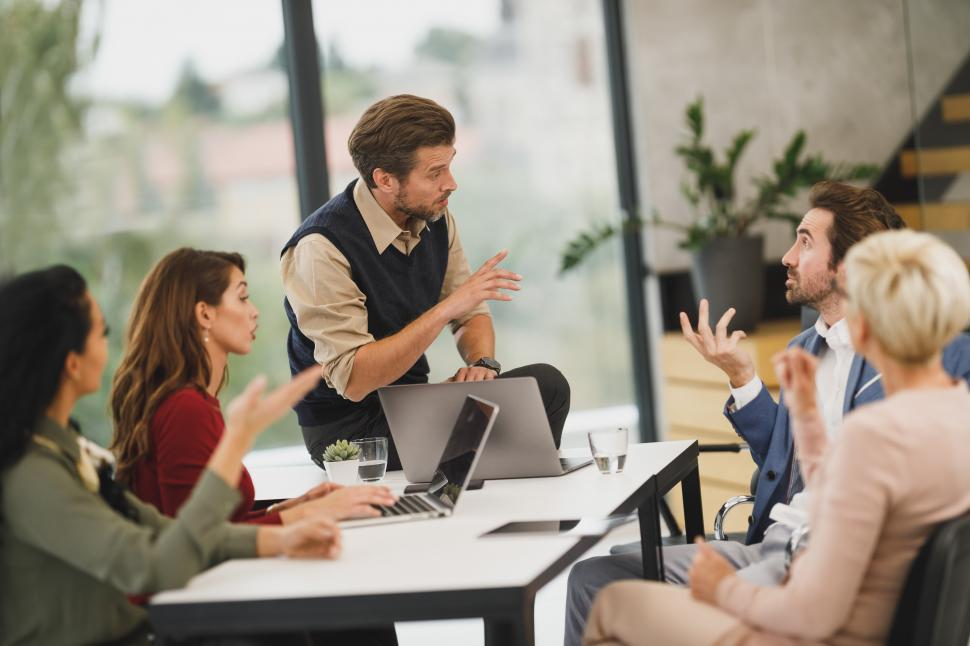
<point x="405" y="505"/>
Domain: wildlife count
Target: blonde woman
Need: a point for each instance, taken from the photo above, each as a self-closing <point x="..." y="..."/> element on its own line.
<point x="897" y="471"/>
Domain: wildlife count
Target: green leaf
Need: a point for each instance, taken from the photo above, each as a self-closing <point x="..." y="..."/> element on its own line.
<point x="695" y="118"/>
<point x="339" y="451"/>
<point x="579" y="248"/>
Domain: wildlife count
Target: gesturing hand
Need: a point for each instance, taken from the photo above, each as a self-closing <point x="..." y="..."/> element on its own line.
<point x="706" y="573"/>
<point x="485" y="284"/>
<point x="717" y="347"/>
<point x="316" y="537"/>
<point x="796" y="374"/>
<point x="251" y="412"/>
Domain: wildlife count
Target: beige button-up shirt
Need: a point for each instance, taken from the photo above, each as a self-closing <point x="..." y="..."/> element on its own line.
<point x="330" y="309"/>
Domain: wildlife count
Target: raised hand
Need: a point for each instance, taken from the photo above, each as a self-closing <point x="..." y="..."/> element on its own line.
<point x="486" y="284"/>
<point x="717" y="347"/>
<point x="251" y="412"/>
<point x="796" y="374"/>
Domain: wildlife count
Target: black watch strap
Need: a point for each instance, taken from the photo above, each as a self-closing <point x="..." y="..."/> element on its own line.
<point x="490" y="363"/>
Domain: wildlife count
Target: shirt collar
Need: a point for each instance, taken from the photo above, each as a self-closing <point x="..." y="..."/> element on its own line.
<point x="66" y="439"/>
<point x="837" y="336"/>
<point x="380" y="225"/>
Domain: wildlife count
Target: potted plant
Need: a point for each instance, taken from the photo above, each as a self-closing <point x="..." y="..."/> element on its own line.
<point x="341" y="460"/>
<point x="727" y="258"/>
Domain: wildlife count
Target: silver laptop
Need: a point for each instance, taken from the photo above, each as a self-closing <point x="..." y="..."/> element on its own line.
<point x="471" y="428"/>
<point x="521" y="446"/>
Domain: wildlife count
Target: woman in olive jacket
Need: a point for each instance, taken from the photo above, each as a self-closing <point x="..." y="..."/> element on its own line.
<point x="73" y="543"/>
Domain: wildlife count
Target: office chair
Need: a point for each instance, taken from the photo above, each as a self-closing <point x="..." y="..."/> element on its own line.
<point x="932" y="610"/>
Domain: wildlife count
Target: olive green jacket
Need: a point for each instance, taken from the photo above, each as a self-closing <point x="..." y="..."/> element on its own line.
<point x="67" y="559"/>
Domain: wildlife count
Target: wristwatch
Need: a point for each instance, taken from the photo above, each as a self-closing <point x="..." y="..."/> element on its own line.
<point x="490" y="363"/>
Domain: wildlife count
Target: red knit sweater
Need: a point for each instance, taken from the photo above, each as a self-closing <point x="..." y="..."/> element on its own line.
<point x="184" y="432"/>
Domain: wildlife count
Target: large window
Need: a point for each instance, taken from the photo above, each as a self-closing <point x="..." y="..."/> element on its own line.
<point x="131" y="129"/>
<point x="169" y="129"/>
<point x="527" y="84"/>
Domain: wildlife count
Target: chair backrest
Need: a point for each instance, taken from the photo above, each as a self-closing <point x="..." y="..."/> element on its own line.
<point x="932" y="609"/>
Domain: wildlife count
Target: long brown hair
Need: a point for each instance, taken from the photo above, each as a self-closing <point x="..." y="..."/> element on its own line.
<point x="164" y="349"/>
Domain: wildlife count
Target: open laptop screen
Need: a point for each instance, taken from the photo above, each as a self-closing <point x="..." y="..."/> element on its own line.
<point x="462" y="451"/>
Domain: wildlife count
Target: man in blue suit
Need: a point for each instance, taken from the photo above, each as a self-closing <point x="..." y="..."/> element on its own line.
<point x="840" y="215"/>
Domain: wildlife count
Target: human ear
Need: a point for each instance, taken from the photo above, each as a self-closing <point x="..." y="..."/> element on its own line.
<point x="72" y="366"/>
<point x="386" y="182"/>
<point x="204" y="315"/>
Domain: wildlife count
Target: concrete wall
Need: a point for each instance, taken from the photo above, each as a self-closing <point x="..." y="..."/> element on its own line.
<point x="835" y="68"/>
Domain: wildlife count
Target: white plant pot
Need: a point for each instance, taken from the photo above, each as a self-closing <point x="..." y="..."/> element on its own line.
<point x="342" y="472"/>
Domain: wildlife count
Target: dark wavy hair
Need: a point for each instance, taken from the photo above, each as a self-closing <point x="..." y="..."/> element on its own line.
<point x="44" y="316"/>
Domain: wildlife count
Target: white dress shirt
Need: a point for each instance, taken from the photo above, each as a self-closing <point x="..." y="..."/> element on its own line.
<point x="831" y="380"/>
<point x="831" y="377"/>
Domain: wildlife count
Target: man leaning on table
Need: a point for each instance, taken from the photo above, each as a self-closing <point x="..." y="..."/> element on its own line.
<point x="375" y="274"/>
<point x="840" y="215"/>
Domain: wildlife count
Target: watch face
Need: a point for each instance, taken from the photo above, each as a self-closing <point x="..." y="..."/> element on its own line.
<point x="491" y="364"/>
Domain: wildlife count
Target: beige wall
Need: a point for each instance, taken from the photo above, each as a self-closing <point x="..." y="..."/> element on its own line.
<point x="836" y="68"/>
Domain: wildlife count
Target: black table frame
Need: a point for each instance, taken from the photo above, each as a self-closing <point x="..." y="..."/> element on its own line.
<point x="508" y="612"/>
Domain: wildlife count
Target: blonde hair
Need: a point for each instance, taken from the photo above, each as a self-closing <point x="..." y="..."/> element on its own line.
<point x="912" y="289"/>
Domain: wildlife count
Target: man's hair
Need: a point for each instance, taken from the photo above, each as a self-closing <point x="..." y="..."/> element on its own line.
<point x="856" y="213"/>
<point x="913" y="291"/>
<point x="391" y="130"/>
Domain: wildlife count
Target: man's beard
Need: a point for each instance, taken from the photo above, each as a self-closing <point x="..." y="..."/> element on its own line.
<point x="425" y="214"/>
<point x="812" y="294"/>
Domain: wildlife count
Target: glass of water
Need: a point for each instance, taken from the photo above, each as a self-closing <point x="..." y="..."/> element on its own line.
<point x="609" y="449"/>
<point x="373" y="459"/>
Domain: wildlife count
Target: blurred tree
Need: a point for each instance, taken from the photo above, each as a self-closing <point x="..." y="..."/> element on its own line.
<point x="193" y="93"/>
<point x="450" y="46"/>
<point x="38" y="120"/>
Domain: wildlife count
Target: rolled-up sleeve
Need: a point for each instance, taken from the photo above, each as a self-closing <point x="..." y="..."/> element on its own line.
<point x="457" y="273"/>
<point x="329" y="307"/>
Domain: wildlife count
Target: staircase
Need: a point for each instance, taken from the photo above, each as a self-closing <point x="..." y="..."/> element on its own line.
<point x="928" y="177"/>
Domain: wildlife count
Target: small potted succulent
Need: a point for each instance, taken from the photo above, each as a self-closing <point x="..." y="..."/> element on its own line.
<point x="340" y="460"/>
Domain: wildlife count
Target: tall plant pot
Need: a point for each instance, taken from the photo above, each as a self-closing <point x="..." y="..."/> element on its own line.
<point x="729" y="272"/>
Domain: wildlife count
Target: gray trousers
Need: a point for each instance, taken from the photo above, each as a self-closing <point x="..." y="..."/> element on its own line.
<point x="762" y="563"/>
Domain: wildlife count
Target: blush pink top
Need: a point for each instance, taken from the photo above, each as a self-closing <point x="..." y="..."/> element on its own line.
<point x="900" y="467"/>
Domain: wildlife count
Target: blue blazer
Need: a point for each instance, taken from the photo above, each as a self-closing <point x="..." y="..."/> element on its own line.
<point x="763" y="424"/>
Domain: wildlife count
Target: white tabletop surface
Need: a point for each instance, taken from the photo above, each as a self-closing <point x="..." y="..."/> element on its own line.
<point x="430" y="555"/>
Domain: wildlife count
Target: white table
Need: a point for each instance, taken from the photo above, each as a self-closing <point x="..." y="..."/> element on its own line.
<point x="433" y="569"/>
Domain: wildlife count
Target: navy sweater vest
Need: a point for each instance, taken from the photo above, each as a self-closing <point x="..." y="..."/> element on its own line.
<point x="398" y="289"/>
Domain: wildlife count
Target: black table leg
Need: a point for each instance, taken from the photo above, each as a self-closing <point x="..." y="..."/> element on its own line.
<point x="514" y="630"/>
<point x="650" y="543"/>
<point x="693" y="512"/>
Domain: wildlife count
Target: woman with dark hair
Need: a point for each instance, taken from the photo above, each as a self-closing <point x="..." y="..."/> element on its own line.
<point x="191" y="313"/>
<point x="74" y="543"/>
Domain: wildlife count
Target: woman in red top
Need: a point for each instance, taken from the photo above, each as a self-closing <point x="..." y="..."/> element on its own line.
<point x="191" y="313"/>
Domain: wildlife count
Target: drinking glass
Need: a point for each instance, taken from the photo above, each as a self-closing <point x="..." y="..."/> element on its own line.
<point x="609" y="449"/>
<point x="373" y="458"/>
